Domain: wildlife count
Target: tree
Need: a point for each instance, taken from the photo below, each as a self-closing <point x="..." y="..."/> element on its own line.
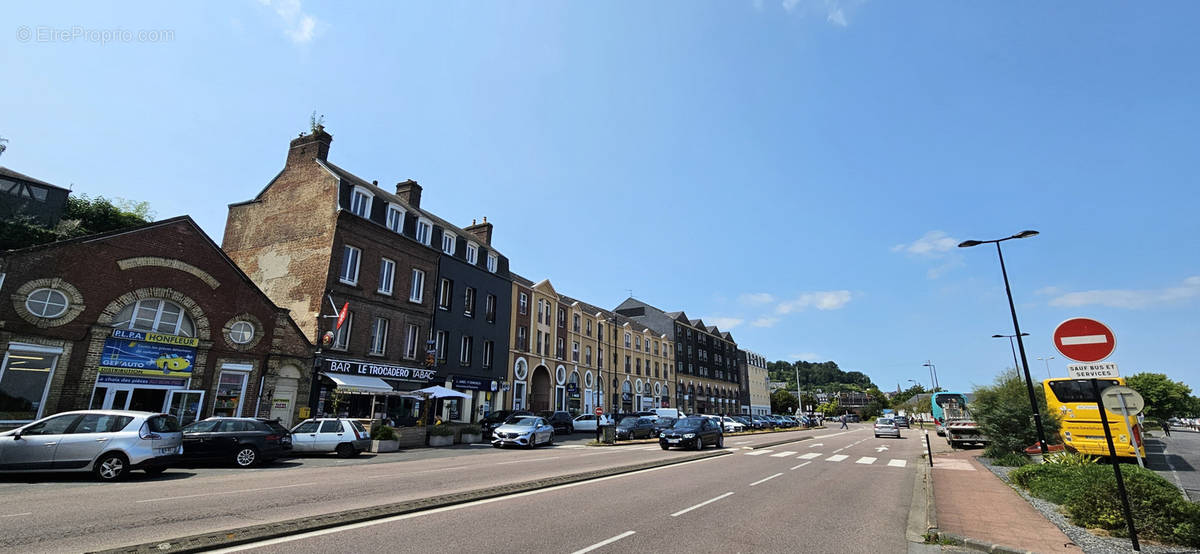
<point x="1164" y="398"/>
<point x="876" y="404"/>
<point x="905" y="395"/>
<point x="783" y="402"/>
<point x="83" y="216"/>
<point x="1003" y="413"/>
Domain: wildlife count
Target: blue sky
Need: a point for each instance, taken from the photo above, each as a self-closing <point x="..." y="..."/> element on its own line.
<point x="797" y="173"/>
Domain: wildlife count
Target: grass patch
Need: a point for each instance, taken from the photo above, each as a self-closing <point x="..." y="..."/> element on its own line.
<point x="1010" y="459"/>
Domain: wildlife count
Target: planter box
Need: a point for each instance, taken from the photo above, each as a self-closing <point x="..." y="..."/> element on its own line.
<point x="385" y="446"/>
<point x="471" y="438"/>
<point x="411" y="437"/>
<point x="441" y="440"/>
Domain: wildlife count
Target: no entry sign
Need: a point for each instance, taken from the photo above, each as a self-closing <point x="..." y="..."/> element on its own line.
<point x="1084" y="340"/>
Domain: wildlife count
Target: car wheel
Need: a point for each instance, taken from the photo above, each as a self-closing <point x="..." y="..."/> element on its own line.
<point x="664" y="446"/>
<point x="111" y="467"/>
<point x="246" y="456"/>
<point x="876" y="435"/>
<point x="496" y="445"/>
<point x="345" y="450"/>
<point x="699" y="442"/>
<point x="720" y="441"/>
<point x="570" y="429"/>
<point x="155" y="470"/>
<point x="550" y="441"/>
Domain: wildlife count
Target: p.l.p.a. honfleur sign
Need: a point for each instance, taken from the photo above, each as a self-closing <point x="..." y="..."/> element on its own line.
<point x="140" y="353"/>
<point x="351" y="367"/>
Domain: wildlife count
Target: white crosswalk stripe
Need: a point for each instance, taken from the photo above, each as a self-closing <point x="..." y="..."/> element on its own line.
<point x="897" y="463"/>
<point x="836" y="458"/>
<point x="865" y="460"/>
<point x="759" y="452"/>
<point x="809" y="456"/>
<point x="783" y="454"/>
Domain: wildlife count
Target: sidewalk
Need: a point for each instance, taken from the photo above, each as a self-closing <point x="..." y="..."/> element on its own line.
<point x="973" y="503"/>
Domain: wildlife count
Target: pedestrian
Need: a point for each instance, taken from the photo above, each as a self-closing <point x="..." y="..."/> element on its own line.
<point x="844" y="426"/>
<point x="1166" y="426"/>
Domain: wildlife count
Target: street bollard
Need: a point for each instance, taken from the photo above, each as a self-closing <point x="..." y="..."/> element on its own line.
<point x="929" y="448"/>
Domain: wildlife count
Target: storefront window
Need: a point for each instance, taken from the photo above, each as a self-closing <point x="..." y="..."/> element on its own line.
<point x="24" y="379"/>
<point x="230" y="390"/>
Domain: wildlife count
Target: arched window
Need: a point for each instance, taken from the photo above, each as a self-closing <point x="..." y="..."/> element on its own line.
<point x="627" y="387"/>
<point x="157" y="316"/>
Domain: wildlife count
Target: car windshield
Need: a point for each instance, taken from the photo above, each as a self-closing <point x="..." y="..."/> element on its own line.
<point x="885" y="422"/>
<point x="523" y="421"/>
<point x="628" y="422"/>
<point x="687" y="424"/>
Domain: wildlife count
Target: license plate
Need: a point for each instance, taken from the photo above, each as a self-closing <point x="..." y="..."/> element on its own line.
<point x="165" y="451"/>
<point x="673" y="441"/>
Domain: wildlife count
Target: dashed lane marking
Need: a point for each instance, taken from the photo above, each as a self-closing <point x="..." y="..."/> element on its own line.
<point x="865" y="460"/>
<point x="765" y="480"/>
<point x="705" y="503"/>
<point x="801" y="465"/>
<point x="836" y="458"/>
<point x="783" y="454"/>
<point x="809" y="456"/>
<point x="758" y="452"/>
<point x="897" y="463"/>
<point x="604" y="542"/>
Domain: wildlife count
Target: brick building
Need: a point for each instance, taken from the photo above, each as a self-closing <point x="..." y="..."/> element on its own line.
<point x="154" y="318"/>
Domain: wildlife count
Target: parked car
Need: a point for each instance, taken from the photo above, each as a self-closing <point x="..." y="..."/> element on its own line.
<point x="673" y="413"/>
<point x="853" y="418"/>
<point x="109" y="443"/>
<point x="587" y="422"/>
<point x="242" y="440"/>
<point x="744" y="420"/>
<point x="761" y="421"/>
<point x="562" y="421"/>
<point x="730" y="425"/>
<point x="886" y="426"/>
<point x="527" y="431"/>
<point x="647" y="413"/>
<point x="901" y="421"/>
<point x="692" y="432"/>
<point x="496" y="419"/>
<point x="633" y="427"/>
<point x="662" y="424"/>
<point x="346" y="437"/>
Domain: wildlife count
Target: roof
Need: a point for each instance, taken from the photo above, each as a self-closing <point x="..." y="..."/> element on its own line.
<point x="521" y="280"/>
<point x="6" y="172"/>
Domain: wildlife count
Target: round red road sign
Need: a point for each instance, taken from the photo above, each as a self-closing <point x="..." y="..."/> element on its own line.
<point x="599" y="411"/>
<point x="1084" y="339"/>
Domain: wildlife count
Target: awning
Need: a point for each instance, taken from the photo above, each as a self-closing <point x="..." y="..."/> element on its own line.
<point x="359" y="384"/>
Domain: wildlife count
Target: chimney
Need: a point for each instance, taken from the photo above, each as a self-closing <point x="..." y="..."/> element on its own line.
<point x="481" y="230"/>
<point x="307" y="147"/>
<point x="410" y="192"/>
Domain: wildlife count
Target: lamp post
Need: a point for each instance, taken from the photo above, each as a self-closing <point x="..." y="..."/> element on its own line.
<point x="1037" y="415"/>
<point x="932" y="373"/>
<point x="1010" y="345"/>
<point x="1047" y="360"/>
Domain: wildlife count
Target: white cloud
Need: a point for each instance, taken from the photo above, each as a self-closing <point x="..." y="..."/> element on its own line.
<point x="765" y="322"/>
<point x="756" y="298"/>
<point x="1131" y="299"/>
<point x="298" y="25"/>
<point x="836" y="12"/>
<point x="723" y="323"/>
<point x="837" y="17"/>
<point x="821" y="300"/>
<point x="934" y="244"/>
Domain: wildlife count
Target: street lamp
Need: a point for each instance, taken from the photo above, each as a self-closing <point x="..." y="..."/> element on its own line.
<point x="1010" y="345"/>
<point x="1047" y="360"/>
<point x="1037" y="415"/>
<point x="932" y="373"/>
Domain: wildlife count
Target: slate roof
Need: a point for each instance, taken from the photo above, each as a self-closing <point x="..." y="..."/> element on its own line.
<point x="6" y="172"/>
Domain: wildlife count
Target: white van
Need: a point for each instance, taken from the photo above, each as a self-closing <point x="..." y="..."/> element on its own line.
<point x="668" y="412"/>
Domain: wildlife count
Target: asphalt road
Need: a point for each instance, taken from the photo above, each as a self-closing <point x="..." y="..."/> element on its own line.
<point x="1175" y="458"/>
<point x="838" y="492"/>
<point x="61" y="512"/>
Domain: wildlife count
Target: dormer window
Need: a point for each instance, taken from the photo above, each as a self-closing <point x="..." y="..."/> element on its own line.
<point x="472" y="253"/>
<point x="395" y="219"/>
<point x="360" y="202"/>
<point x="492" y="261"/>
<point x="424" y="231"/>
<point x="448" y="240"/>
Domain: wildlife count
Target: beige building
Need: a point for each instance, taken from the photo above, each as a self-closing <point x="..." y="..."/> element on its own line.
<point x="756" y="398"/>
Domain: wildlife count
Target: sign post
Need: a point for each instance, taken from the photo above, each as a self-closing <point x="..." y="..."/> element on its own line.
<point x="1088" y="341"/>
<point x="599" y="414"/>
<point x="1128" y="402"/>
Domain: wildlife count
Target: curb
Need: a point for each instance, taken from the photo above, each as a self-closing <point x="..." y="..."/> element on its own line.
<point x="254" y="533"/>
<point x="922" y="513"/>
<point x="973" y="544"/>
<point x="982" y="546"/>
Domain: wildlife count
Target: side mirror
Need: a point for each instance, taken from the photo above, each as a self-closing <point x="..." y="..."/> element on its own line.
<point x="17" y="435"/>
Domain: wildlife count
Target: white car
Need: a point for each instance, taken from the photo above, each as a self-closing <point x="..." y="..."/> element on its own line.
<point x="347" y="437"/>
<point x="587" y="422"/>
<point x="730" y="425"/>
<point x="527" y="431"/>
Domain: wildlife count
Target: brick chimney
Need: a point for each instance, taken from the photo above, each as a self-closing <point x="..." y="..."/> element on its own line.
<point x="307" y="147"/>
<point x="481" y="230"/>
<point x="410" y="192"/>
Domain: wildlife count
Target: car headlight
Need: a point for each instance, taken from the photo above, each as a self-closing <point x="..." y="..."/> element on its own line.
<point x="689" y="435"/>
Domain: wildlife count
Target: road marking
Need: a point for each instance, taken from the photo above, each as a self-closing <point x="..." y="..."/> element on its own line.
<point x="480" y="444"/>
<point x="865" y="460"/>
<point x="841" y="449"/>
<point x="705" y="503"/>
<point x="816" y="445"/>
<point x="880" y="448"/>
<point x="1084" y="339"/>
<point x="225" y="492"/>
<point x="743" y="442"/>
<point x="18" y="515"/>
<point x="758" y="452"/>
<point x="809" y="456"/>
<point x="604" y="542"/>
<point x="836" y="458"/>
<point x="801" y="465"/>
<point x="783" y="454"/>
<point x="765" y="480"/>
<point x="533" y="460"/>
<point x="897" y="463"/>
<point x="568" y="446"/>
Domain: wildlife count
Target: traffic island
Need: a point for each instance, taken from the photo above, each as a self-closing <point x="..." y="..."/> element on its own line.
<point x="255" y="533"/>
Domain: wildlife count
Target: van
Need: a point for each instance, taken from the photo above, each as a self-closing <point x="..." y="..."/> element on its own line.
<point x="669" y="412"/>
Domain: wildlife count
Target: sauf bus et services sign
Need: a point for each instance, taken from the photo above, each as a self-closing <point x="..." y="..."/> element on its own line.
<point x="1088" y="341"/>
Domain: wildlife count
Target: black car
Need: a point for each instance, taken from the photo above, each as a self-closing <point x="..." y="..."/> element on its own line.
<point x="662" y="424"/>
<point x="497" y="418"/>
<point x="694" y="433"/>
<point x="562" y="421"/>
<point x="244" y="441"/>
<point x="901" y="421"/>
<point x="634" y="427"/>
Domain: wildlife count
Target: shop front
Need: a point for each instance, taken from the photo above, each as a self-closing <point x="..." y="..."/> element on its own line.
<point x="484" y="393"/>
<point x="151" y="372"/>
<point x="369" y="390"/>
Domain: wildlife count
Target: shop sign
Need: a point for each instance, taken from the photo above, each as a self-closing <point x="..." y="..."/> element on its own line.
<point x="130" y="380"/>
<point x="280" y="403"/>
<point x="469" y="383"/>
<point x="137" y="353"/>
<point x="369" y="369"/>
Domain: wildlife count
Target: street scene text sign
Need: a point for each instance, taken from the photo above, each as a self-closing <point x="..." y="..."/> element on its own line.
<point x="1092" y="371"/>
<point x="1084" y="339"/>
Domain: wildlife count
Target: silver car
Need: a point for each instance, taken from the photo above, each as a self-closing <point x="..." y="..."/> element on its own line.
<point x="886" y="426"/>
<point x="347" y="437"/>
<point x="108" y="443"/>
<point x="527" y="431"/>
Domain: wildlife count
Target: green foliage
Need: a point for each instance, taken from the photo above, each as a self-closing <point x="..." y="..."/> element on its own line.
<point x="1088" y="494"/>
<point x="876" y="405"/>
<point x="903" y="397"/>
<point x="1068" y="458"/>
<point x="830" y="408"/>
<point x="826" y="376"/>
<point x="315" y="122"/>
<point x="82" y="216"/>
<point x="1164" y="398"/>
<point x="783" y="402"/>
<point x="442" y="430"/>
<point x="21" y="233"/>
<point x="1003" y="413"/>
<point x="383" y="433"/>
<point x="1011" y="459"/>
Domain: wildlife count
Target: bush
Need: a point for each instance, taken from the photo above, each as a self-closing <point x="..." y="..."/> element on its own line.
<point x="1003" y="413"/>
<point x="1088" y="493"/>
<point x="1010" y="459"/>
<point x="383" y="433"/>
<point x="1069" y="458"/>
<point x="442" y="430"/>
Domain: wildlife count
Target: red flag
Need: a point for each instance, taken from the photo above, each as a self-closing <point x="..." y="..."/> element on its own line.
<point x="342" y="314"/>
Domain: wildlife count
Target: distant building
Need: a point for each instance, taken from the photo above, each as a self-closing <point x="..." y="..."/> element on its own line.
<point x="22" y="196"/>
<point x="755" y="396"/>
